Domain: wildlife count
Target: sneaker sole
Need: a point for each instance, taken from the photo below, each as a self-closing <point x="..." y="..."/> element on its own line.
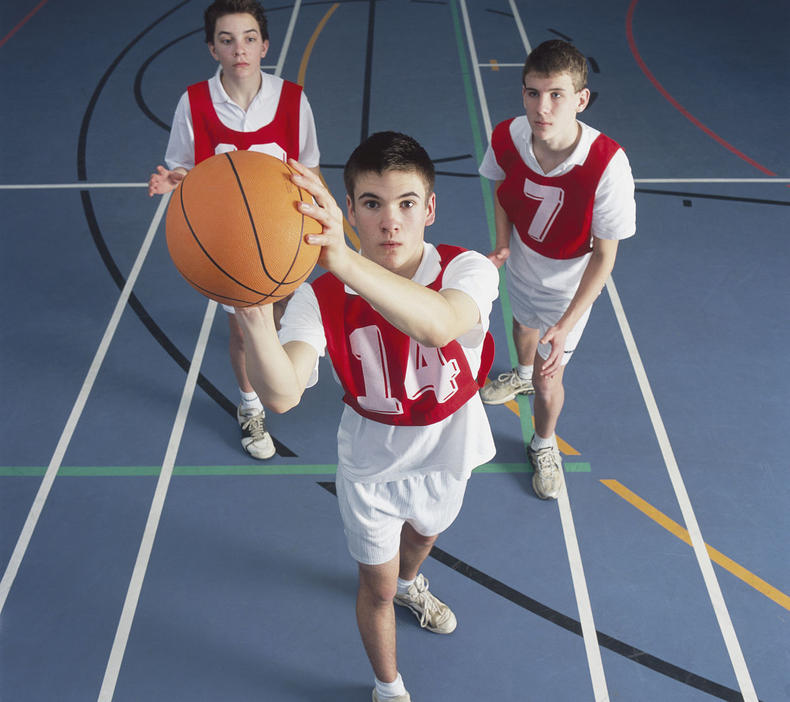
<point x="544" y="496"/>
<point x="418" y="614"/>
<point x="507" y="398"/>
<point x="262" y="456"/>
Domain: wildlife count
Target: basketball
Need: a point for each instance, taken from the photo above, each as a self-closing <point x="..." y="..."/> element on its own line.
<point x="234" y="232"/>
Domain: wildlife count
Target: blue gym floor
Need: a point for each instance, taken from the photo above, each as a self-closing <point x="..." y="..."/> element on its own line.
<point x="145" y="558"/>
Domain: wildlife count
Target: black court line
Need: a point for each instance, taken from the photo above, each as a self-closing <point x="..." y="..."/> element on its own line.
<point x="574" y="626"/>
<point x="368" y="73"/>
<point x="106" y="256"/>
<point x="728" y="198"/>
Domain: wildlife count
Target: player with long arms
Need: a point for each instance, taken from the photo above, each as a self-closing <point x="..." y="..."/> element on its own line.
<point x="405" y="324"/>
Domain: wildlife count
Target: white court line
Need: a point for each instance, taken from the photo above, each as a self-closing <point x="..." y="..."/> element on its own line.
<point x="89" y="186"/>
<point x="698" y="543"/>
<point x="152" y="524"/>
<point x="520" y="27"/>
<point x="76" y="411"/>
<point x="589" y="635"/>
<point x="121" y="639"/>
<point x="72" y="186"/>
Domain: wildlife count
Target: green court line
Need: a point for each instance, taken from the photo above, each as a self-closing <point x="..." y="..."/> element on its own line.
<point x="268" y="469"/>
<point x="525" y="409"/>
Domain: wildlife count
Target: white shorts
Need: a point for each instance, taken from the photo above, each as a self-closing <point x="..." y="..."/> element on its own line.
<point x="374" y="513"/>
<point x="541" y="311"/>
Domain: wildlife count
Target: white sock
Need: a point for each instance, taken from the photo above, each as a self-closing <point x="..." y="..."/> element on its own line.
<point x="249" y="400"/>
<point x="524" y="372"/>
<point x="393" y="689"/>
<point x="538" y="442"/>
<point x="403" y="585"/>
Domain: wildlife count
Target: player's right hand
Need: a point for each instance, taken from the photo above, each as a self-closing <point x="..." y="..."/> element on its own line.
<point x="499" y="255"/>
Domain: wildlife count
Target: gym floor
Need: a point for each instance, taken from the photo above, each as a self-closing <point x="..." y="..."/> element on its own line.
<point x="144" y="557"/>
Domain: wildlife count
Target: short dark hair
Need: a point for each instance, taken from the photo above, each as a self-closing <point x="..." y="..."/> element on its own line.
<point x="220" y="8"/>
<point x="389" y="151"/>
<point x="557" y="56"/>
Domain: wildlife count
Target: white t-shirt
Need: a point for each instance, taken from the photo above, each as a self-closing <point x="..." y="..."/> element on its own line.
<point x="369" y="451"/>
<point x="181" y="146"/>
<point x="614" y="212"/>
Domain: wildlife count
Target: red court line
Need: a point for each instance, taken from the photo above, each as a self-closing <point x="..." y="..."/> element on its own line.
<point x="23" y="22"/>
<point x="630" y="34"/>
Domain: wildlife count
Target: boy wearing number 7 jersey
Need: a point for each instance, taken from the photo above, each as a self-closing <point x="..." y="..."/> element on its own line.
<point x="406" y="328"/>
<point x="565" y="197"/>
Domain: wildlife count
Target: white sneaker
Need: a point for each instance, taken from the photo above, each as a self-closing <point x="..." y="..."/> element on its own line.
<point x="505" y="388"/>
<point x="547" y="478"/>
<point x="397" y="698"/>
<point x="255" y="440"/>
<point x="433" y="614"/>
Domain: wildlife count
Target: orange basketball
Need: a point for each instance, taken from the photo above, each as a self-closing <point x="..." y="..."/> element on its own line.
<point x="233" y="230"/>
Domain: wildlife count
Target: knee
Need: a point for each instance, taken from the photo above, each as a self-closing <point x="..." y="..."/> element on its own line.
<point x="376" y="590"/>
<point x="546" y="387"/>
<point x="377" y="594"/>
<point x="415" y="538"/>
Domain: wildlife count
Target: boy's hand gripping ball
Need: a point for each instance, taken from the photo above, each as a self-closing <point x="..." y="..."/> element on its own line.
<point x="234" y="233"/>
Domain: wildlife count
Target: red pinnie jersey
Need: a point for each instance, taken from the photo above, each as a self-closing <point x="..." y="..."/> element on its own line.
<point x="387" y="376"/>
<point x="282" y="131"/>
<point x="552" y="215"/>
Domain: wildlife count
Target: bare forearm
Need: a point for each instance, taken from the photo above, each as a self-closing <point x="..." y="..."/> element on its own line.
<point x="594" y="278"/>
<point x="270" y="369"/>
<point x="429" y="317"/>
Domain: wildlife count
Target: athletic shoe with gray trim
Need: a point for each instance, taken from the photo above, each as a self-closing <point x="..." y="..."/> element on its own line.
<point x="433" y="614"/>
<point x="397" y="698"/>
<point x="505" y="388"/>
<point x="547" y="478"/>
<point x="255" y="440"/>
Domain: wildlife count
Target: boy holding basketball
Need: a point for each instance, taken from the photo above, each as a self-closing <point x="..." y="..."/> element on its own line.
<point x="565" y="197"/>
<point x="241" y="107"/>
<point x="405" y="324"/>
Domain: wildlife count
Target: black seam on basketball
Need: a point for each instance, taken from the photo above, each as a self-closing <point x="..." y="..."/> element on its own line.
<point x="203" y="248"/>
<point x="278" y="283"/>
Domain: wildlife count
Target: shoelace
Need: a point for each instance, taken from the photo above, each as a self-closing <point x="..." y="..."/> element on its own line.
<point x="427" y="603"/>
<point x="511" y="378"/>
<point x="546" y="461"/>
<point x="255" y="426"/>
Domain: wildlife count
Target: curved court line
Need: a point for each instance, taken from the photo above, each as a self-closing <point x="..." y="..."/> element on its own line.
<point x="104" y="252"/>
<point x="76" y="412"/>
<point x="580" y="591"/>
<point x="703" y="559"/>
<point x="23" y="22"/>
<point x="629" y="30"/>
<point x="673" y="527"/>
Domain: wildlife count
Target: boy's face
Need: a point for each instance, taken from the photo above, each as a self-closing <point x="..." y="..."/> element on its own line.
<point x="552" y="104"/>
<point x="238" y="45"/>
<point x="390" y="212"/>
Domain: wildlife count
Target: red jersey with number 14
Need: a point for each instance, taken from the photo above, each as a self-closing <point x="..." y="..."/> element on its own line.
<point x="209" y="130"/>
<point x="552" y="215"/>
<point x="387" y="376"/>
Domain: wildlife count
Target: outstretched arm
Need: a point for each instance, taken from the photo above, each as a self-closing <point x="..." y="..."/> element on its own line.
<point x="278" y="373"/>
<point x="429" y="317"/>
<point x="594" y="278"/>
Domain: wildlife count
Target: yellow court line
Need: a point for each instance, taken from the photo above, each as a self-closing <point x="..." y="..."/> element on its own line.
<point x="310" y="44"/>
<point x="727" y="563"/>
<point x="494" y="65"/>
<point x="347" y="228"/>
